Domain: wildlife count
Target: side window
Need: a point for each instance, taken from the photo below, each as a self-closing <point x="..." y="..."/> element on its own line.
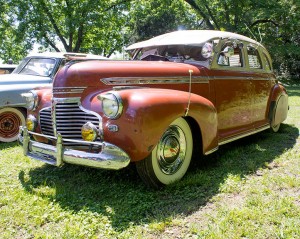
<point x="254" y="58"/>
<point x="267" y="62"/>
<point x="231" y="55"/>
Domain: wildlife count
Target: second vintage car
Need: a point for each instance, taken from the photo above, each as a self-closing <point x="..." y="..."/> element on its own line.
<point x="35" y="70"/>
<point x="183" y="93"/>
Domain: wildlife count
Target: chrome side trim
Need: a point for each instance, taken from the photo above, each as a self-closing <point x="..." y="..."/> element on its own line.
<point x="240" y="78"/>
<point x="110" y="157"/>
<point x="68" y="90"/>
<point x="66" y="100"/>
<point x="13" y="105"/>
<point x="211" y="151"/>
<point x="244" y="135"/>
<point x="153" y="80"/>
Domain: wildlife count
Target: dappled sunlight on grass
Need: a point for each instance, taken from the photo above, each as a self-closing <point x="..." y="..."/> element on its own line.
<point x="225" y="192"/>
<point x="123" y="199"/>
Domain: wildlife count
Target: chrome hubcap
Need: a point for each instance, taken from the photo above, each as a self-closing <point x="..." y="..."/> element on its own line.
<point x="171" y="150"/>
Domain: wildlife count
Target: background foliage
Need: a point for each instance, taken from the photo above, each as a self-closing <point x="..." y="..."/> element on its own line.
<point x="105" y="27"/>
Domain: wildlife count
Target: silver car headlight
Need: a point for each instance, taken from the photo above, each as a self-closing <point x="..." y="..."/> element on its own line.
<point x="112" y="105"/>
<point x="31" y="99"/>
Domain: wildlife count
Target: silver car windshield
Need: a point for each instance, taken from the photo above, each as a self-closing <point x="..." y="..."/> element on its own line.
<point x="37" y="67"/>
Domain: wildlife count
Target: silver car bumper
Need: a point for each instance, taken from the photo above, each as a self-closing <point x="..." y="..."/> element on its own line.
<point x="110" y="157"/>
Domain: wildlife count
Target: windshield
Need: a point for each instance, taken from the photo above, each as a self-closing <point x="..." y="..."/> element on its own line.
<point x="36" y="66"/>
<point x="175" y="53"/>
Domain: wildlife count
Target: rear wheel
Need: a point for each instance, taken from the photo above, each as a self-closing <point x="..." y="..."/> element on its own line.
<point x="10" y="121"/>
<point x="274" y="127"/>
<point x="171" y="157"/>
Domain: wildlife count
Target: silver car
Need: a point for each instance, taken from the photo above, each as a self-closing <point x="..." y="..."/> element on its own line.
<point x="36" y="70"/>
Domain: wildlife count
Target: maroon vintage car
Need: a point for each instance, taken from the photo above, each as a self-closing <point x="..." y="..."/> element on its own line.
<point x="182" y="91"/>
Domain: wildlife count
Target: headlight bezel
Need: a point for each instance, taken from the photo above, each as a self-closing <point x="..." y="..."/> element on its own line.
<point x="112" y="104"/>
<point x="32" y="99"/>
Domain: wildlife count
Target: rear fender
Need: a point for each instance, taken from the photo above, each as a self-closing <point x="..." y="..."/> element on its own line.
<point x="278" y="105"/>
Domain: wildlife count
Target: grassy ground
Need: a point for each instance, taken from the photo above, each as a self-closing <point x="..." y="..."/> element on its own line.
<point x="248" y="189"/>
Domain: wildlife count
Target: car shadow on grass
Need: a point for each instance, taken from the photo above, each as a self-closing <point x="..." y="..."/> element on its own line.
<point x="125" y="200"/>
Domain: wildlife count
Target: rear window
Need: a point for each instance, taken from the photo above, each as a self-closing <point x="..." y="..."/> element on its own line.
<point x="254" y="58"/>
<point x="268" y="65"/>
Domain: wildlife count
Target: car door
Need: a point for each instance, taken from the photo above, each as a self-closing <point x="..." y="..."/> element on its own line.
<point x="262" y="76"/>
<point x="233" y="91"/>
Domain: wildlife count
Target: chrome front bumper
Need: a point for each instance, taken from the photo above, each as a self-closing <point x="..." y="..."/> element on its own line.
<point x="110" y="157"/>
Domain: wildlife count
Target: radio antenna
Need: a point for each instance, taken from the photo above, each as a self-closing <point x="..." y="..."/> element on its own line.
<point x="260" y="36"/>
<point x="251" y="32"/>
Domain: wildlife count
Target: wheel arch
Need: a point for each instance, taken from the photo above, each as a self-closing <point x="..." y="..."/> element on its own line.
<point x="197" y="137"/>
<point x="147" y="113"/>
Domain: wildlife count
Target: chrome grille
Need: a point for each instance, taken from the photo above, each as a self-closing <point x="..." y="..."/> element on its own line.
<point x="69" y="118"/>
<point x="46" y="121"/>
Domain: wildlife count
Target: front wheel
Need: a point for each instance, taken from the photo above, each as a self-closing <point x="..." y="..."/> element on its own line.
<point x="10" y="121"/>
<point x="171" y="157"/>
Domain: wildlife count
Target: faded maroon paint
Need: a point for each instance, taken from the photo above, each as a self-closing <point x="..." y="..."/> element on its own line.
<point x="224" y="104"/>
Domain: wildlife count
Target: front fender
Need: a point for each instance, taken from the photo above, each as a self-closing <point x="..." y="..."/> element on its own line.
<point x="148" y="112"/>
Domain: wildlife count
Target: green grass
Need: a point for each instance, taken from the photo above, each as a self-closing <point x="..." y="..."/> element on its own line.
<point x="247" y="189"/>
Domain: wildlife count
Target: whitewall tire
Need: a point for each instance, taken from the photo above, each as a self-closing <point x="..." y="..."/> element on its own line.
<point x="171" y="157"/>
<point x="10" y="121"/>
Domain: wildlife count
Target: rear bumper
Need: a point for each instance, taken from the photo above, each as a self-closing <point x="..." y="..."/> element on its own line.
<point x="110" y="157"/>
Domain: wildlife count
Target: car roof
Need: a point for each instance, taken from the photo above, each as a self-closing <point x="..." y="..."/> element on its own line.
<point x="188" y="37"/>
<point x="8" y="66"/>
<point x="68" y="55"/>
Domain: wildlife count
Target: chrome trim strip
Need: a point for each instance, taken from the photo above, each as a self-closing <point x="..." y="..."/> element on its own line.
<point x="244" y="135"/>
<point x="110" y="157"/>
<point x="240" y="78"/>
<point x="211" y="151"/>
<point x="69" y="87"/>
<point x="153" y="80"/>
<point x="66" y="100"/>
<point x="68" y="90"/>
<point x="13" y="105"/>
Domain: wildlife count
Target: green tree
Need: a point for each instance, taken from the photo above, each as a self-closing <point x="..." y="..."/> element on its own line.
<point x="70" y="25"/>
<point x="11" y="47"/>
<point x="149" y="18"/>
<point x="275" y="23"/>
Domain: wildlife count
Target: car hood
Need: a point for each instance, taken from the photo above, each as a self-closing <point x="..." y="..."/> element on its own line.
<point x="92" y="74"/>
<point x="13" y="85"/>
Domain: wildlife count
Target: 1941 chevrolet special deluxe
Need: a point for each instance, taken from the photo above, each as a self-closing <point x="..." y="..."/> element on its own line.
<point x="182" y="91"/>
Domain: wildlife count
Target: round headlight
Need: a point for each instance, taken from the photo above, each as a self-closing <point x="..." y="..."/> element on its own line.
<point x="89" y="132"/>
<point x="32" y="99"/>
<point x="31" y="123"/>
<point x="112" y="105"/>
